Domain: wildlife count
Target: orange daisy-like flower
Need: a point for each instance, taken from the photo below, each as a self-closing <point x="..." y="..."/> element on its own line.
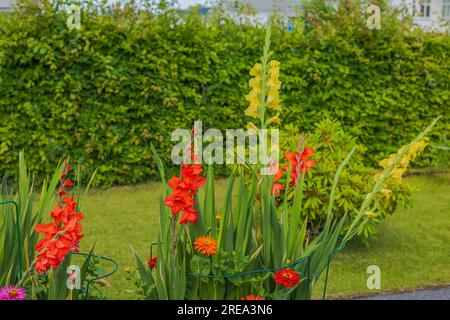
<point x="206" y="245"/>
<point x="252" y="297"/>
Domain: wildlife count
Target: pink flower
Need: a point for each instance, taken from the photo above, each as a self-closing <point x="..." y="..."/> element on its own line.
<point x="12" y="293"/>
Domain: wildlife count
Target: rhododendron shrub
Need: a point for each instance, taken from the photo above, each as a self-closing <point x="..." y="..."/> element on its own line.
<point x="255" y="245"/>
<point x="332" y="143"/>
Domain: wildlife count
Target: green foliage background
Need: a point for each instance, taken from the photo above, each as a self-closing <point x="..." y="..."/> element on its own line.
<point x="128" y="77"/>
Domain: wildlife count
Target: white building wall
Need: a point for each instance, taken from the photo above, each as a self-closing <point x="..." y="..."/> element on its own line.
<point x="265" y="9"/>
<point x="6" y="5"/>
<point x="435" y="18"/>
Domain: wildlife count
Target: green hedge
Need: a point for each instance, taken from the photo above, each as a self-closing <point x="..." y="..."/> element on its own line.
<point x="126" y="78"/>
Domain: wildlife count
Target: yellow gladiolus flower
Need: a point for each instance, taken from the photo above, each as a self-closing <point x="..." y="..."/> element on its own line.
<point x="252" y="128"/>
<point x="383" y="163"/>
<point x="253" y="96"/>
<point x="397" y="175"/>
<point x="252" y="110"/>
<point x="416" y="148"/>
<point x="254" y="83"/>
<point x="274" y="102"/>
<point x="274" y="120"/>
<point x="405" y="161"/>
<point x="387" y="162"/>
<point x="274" y="85"/>
<point x="371" y="214"/>
<point x="386" y="193"/>
<point x="256" y="70"/>
<point x="274" y="66"/>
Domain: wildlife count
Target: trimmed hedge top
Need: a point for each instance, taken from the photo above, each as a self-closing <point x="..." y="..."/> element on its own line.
<point x="102" y="93"/>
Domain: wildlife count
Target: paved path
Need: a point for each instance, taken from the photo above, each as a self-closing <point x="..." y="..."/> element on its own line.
<point x="426" y="294"/>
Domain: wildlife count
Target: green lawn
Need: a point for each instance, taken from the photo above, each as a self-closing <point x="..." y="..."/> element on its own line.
<point x="412" y="248"/>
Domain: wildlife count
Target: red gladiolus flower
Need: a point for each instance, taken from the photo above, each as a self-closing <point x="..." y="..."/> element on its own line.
<point x="70" y="202"/>
<point x="62" y="192"/>
<point x="191" y="170"/>
<point x="277" y="187"/>
<point x="68" y="183"/>
<point x="184" y="190"/>
<point x="49" y="229"/>
<point x="176" y="184"/>
<point x="287" y="278"/>
<point x="151" y="263"/>
<point x="61" y="236"/>
<point x="189" y="215"/>
<point x="299" y="163"/>
<point x="178" y="202"/>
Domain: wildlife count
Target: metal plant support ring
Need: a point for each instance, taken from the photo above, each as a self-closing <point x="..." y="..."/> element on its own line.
<point x="339" y="248"/>
<point x="300" y="261"/>
<point x="103" y="276"/>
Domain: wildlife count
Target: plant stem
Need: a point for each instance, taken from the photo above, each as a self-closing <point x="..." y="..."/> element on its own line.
<point x="25" y="275"/>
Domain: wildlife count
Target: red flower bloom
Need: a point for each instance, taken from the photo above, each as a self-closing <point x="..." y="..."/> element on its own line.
<point x="252" y="297"/>
<point x="179" y="201"/>
<point x="206" y="245"/>
<point x="189" y="215"/>
<point x="49" y="229"/>
<point x="61" y="236"/>
<point x="286" y="277"/>
<point x="191" y="170"/>
<point x="193" y="183"/>
<point x="277" y="187"/>
<point x="184" y="190"/>
<point x="68" y="183"/>
<point x="152" y="262"/>
<point x="70" y="202"/>
<point x="299" y="163"/>
<point x="176" y="184"/>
